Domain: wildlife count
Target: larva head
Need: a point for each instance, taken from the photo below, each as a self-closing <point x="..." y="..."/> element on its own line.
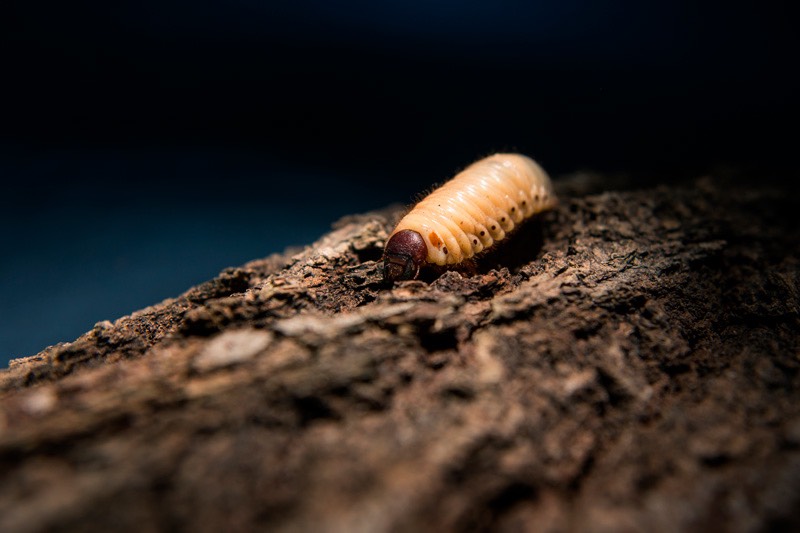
<point x="403" y="256"/>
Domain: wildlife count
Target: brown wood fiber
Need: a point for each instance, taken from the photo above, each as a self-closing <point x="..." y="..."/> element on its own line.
<point x="637" y="370"/>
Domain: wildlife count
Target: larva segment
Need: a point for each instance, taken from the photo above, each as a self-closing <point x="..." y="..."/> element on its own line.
<point x="469" y="213"/>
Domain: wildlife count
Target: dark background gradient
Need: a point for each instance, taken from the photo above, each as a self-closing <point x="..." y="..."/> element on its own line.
<point x="144" y="146"/>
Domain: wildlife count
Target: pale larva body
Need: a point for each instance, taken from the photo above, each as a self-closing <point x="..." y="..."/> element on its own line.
<point x="469" y="213"/>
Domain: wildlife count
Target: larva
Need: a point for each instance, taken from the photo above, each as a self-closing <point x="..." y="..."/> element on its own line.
<point x="468" y="214"/>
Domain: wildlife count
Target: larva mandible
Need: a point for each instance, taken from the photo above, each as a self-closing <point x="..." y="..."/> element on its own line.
<point x="467" y="214"/>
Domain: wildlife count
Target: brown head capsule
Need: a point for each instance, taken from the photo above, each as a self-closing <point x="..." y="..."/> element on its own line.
<point x="468" y="214"/>
<point x="403" y="256"/>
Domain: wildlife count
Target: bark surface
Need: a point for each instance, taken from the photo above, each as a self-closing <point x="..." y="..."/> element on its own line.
<point x="629" y="362"/>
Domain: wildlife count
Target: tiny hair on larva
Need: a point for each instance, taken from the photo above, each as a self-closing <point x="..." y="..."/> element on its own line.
<point x="467" y="215"/>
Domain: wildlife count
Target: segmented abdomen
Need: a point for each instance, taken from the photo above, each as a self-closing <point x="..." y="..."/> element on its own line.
<point x="479" y="206"/>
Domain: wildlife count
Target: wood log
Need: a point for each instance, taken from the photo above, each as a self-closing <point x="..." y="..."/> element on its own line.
<point x="629" y="362"/>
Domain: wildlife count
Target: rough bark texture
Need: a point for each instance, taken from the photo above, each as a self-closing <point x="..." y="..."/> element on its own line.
<point x="634" y="364"/>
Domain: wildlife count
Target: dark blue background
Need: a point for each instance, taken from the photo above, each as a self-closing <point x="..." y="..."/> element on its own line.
<point x="144" y="146"/>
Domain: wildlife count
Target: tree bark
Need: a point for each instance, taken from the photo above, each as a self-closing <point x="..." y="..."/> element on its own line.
<point x="628" y="362"/>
